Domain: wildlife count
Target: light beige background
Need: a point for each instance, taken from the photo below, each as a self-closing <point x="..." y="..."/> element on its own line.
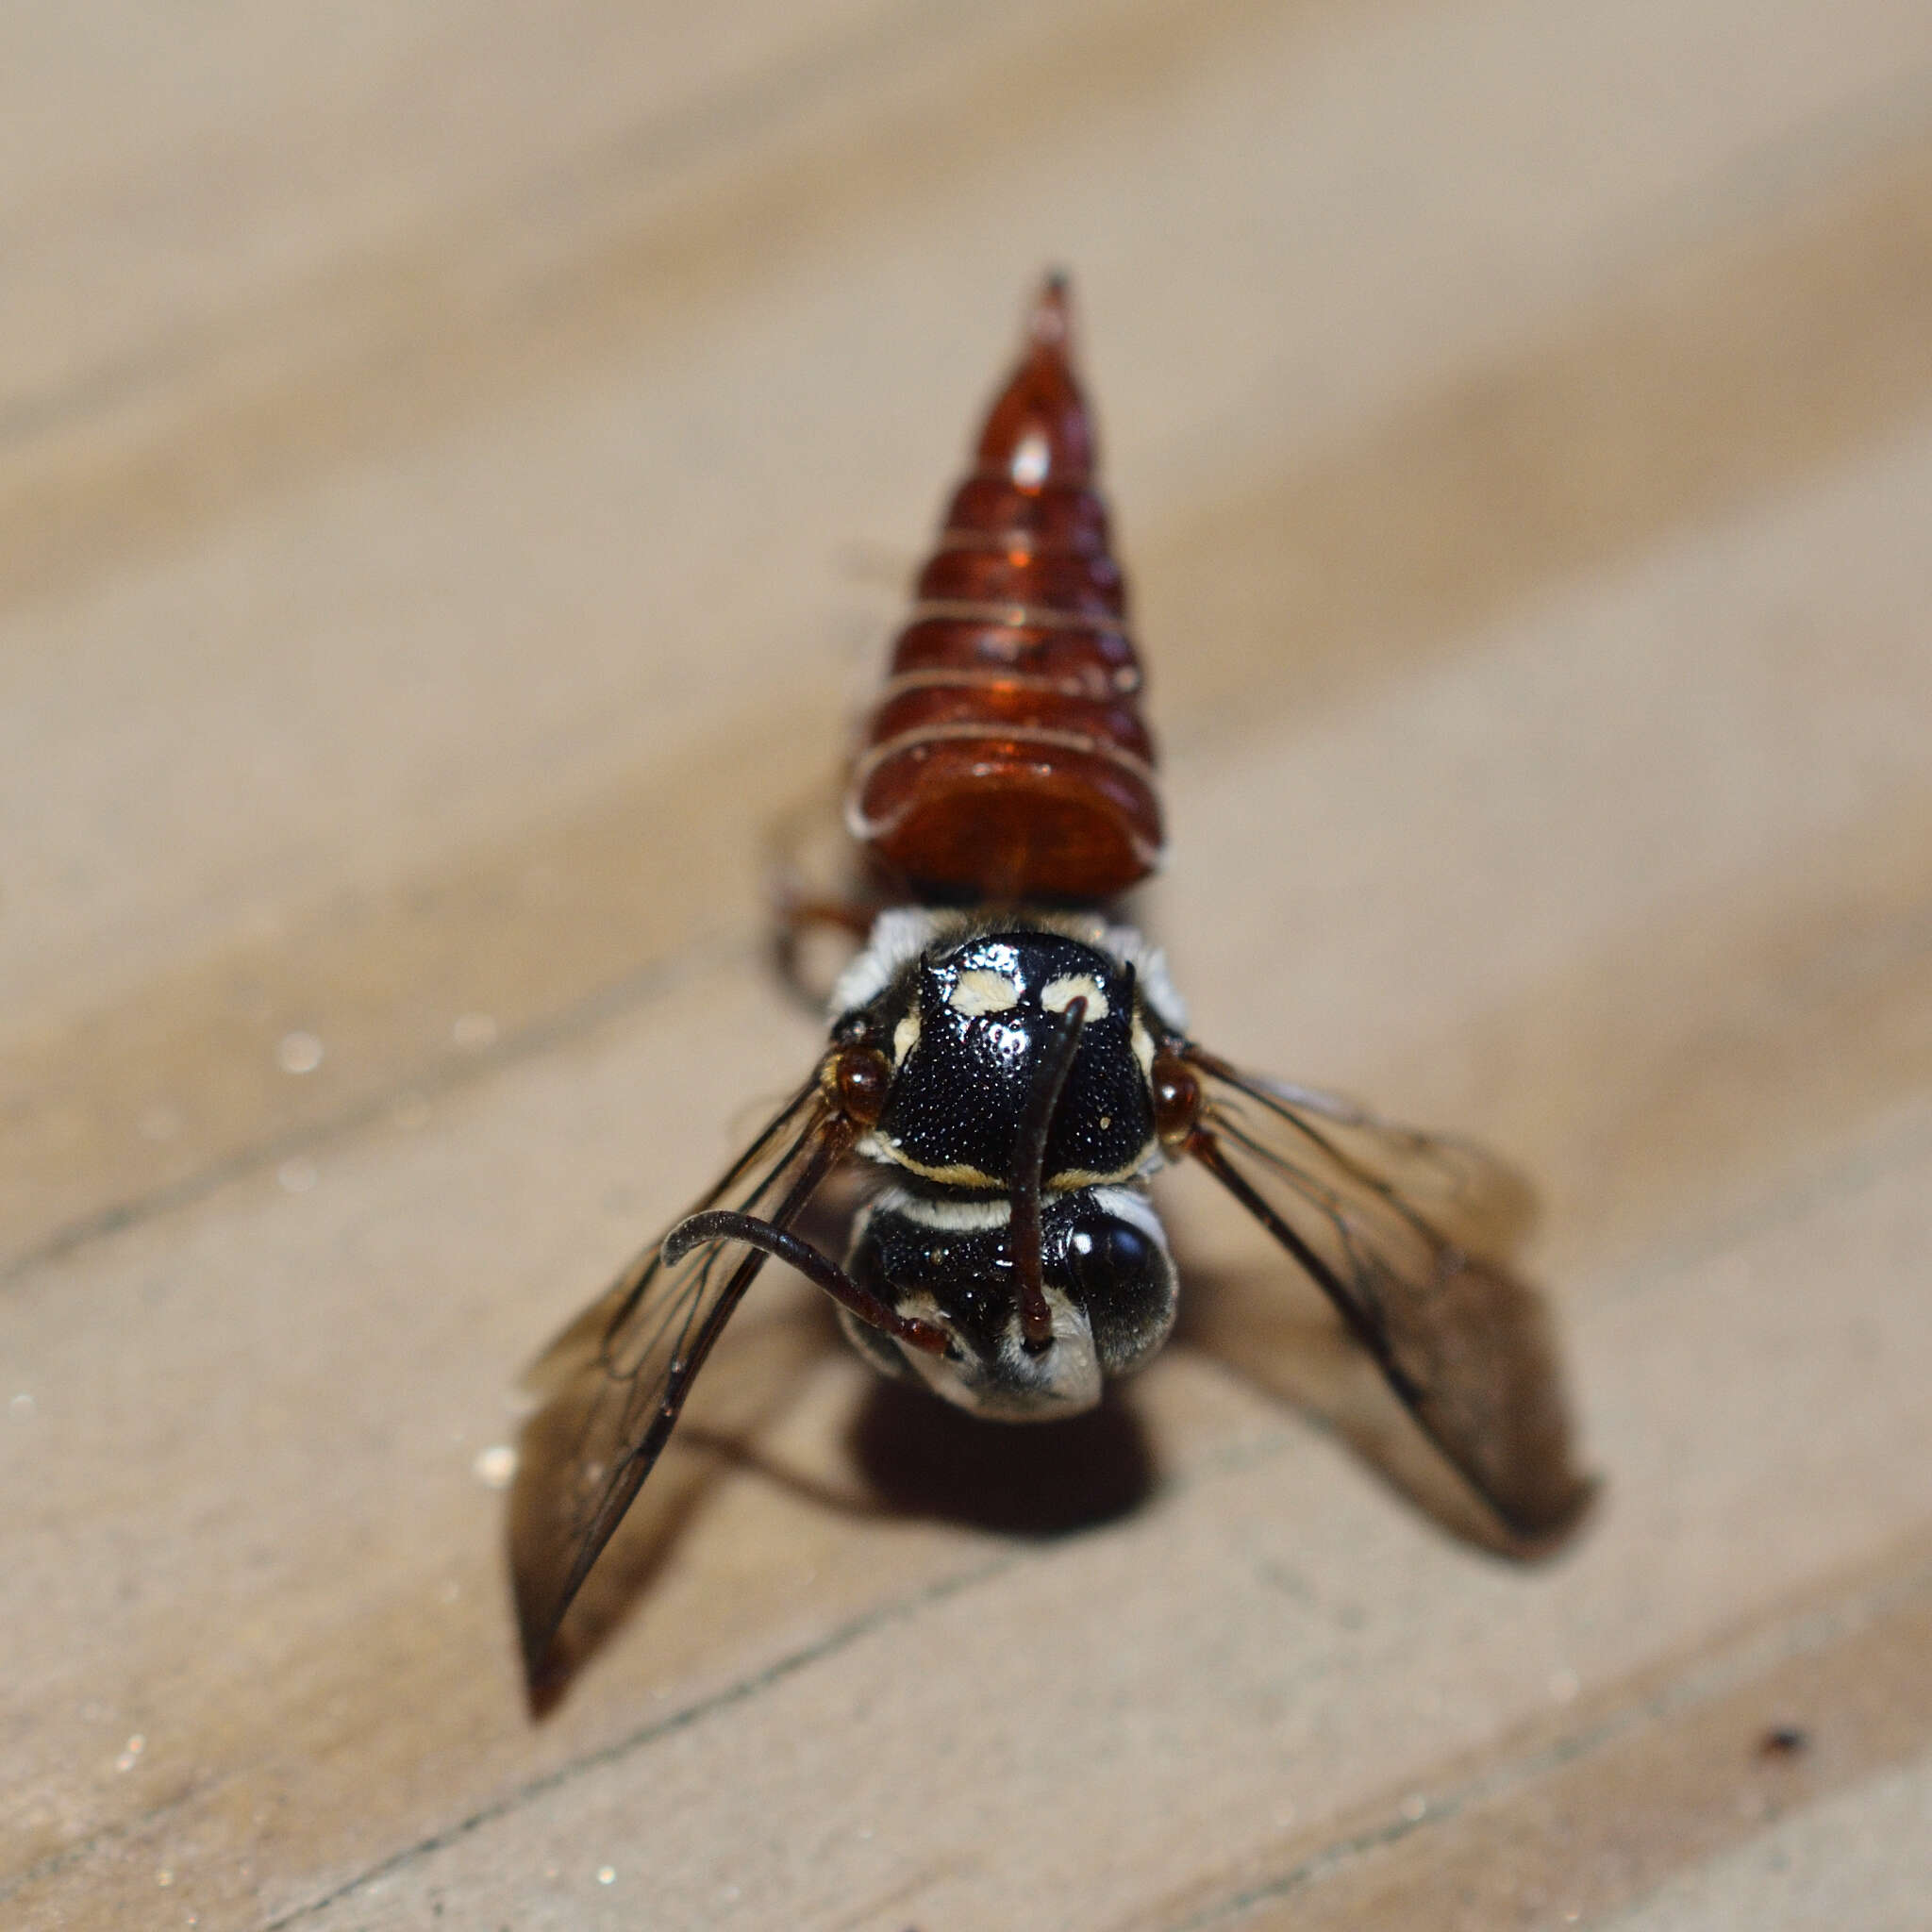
<point x="456" y="464"/>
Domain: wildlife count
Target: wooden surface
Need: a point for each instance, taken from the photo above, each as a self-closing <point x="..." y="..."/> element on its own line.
<point x="455" y="467"/>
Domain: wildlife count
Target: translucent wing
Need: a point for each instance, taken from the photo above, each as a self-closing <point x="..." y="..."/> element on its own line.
<point x="1409" y="1236"/>
<point x="611" y="1385"/>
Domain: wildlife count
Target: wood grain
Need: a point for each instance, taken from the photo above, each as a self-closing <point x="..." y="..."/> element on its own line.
<point x="443" y="465"/>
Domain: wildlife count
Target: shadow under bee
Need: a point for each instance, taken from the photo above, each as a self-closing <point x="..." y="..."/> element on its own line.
<point x="921" y="1459"/>
<point x="926" y="1458"/>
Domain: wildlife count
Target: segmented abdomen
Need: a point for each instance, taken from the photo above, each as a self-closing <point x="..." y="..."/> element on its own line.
<point x="1006" y="757"/>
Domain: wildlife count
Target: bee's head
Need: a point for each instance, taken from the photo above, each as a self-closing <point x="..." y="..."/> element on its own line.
<point x="1108" y="1281"/>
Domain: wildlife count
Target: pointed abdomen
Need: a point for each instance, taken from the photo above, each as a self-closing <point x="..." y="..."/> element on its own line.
<point x="1006" y="757"/>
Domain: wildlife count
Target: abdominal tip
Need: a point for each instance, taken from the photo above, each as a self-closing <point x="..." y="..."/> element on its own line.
<point x="1051" y="324"/>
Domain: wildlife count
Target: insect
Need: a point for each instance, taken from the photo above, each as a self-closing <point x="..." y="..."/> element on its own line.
<point x="1006" y="1069"/>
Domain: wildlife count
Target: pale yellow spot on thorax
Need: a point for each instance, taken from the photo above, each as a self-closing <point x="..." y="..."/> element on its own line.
<point x="979" y="990"/>
<point x="1057" y="995"/>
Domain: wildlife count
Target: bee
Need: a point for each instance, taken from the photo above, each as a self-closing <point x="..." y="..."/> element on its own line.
<point x="1007" y="1068"/>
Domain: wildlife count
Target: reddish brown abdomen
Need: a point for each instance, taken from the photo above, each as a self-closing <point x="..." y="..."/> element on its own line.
<point x="1006" y="757"/>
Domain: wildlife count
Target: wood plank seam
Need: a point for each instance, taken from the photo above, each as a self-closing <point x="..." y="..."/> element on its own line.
<point x="1861" y="387"/>
<point x="1729" y="1663"/>
<point x="1232" y="1460"/>
<point x="399" y="366"/>
<point x="404" y="907"/>
<point x="581" y="1019"/>
<point x="745" y="1688"/>
<point x="1902" y="1592"/>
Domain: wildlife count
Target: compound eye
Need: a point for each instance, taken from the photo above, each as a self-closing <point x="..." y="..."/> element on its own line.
<point x="1125" y="1284"/>
<point x="1110" y="1261"/>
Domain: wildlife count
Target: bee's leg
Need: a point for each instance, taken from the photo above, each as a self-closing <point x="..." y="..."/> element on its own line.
<point x="807" y="930"/>
<point x="823" y="891"/>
